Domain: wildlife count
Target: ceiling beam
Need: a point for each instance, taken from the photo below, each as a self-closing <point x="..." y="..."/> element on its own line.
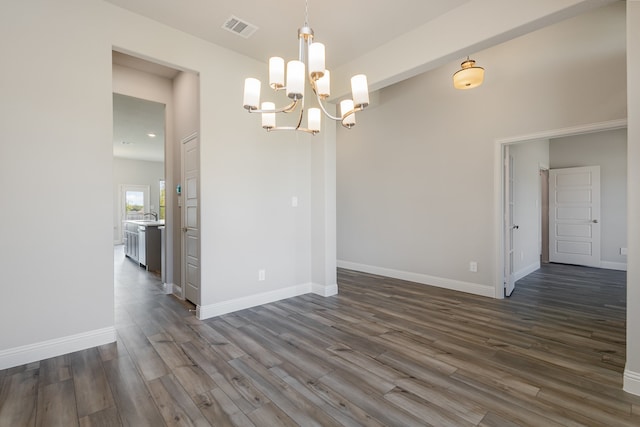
<point x="473" y="26"/>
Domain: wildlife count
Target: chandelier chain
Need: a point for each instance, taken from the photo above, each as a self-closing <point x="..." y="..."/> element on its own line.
<point x="306" y="13"/>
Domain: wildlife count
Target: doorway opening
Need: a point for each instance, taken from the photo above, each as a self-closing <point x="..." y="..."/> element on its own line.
<point x="142" y="98"/>
<point x="171" y="96"/>
<point x="504" y="148"/>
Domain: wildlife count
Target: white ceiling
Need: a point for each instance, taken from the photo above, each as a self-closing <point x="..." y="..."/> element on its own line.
<point x="348" y="28"/>
<point x="133" y="120"/>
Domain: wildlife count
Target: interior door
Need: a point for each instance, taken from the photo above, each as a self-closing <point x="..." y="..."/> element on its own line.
<point x="544" y="215"/>
<point x="574" y="216"/>
<point x="191" y="219"/>
<point x="509" y="207"/>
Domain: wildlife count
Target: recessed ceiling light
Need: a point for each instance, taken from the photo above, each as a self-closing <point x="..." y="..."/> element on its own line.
<point x="151" y="135"/>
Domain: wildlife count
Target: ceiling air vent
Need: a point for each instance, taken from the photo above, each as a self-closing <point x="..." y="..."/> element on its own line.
<point x="239" y="27"/>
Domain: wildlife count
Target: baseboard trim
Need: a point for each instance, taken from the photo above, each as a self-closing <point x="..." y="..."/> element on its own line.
<point x="631" y="382"/>
<point x="610" y="265"/>
<point x="168" y="288"/>
<point x="526" y="271"/>
<point x="226" y="307"/>
<point x="440" y="282"/>
<point x="51" y="348"/>
<point x="177" y="290"/>
<point x="324" y="290"/>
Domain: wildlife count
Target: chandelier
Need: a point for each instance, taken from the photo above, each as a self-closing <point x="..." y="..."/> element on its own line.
<point x="311" y="63"/>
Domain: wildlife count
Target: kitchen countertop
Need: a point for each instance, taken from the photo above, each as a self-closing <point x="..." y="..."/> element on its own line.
<point x="147" y="222"/>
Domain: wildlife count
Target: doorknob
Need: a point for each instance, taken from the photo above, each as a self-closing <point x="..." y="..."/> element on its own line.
<point x="185" y="229"/>
<point x="515" y="227"/>
<point x="595" y="221"/>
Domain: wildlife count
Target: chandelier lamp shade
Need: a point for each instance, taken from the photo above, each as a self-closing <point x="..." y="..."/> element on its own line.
<point x="469" y="76"/>
<point x="292" y="78"/>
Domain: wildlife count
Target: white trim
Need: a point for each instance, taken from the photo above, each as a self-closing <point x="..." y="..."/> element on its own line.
<point x="568" y="131"/>
<point x="324" y="290"/>
<point x="225" y="307"/>
<point x="168" y="288"/>
<point x="46" y="349"/>
<point x="177" y="291"/>
<point x="526" y="271"/>
<point x="441" y="282"/>
<point x="631" y="382"/>
<point x="188" y="138"/>
<point x="610" y="265"/>
<point x="498" y="182"/>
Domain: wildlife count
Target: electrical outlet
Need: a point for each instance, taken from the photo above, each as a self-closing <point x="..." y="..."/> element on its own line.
<point x="623" y="251"/>
<point x="473" y="266"/>
<point x="262" y="275"/>
<point x="294" y="202"/>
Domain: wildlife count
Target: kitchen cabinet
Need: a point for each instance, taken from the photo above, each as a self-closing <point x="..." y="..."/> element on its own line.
<point x="149" y="248"/>
<point x="142" y="243"/>
<point x="131" y="240"/>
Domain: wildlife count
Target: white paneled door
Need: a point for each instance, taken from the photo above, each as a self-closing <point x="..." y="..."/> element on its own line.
<point x="191" y="219"/>
<point x="574" y="216"/>
<point x="509" y="208"/>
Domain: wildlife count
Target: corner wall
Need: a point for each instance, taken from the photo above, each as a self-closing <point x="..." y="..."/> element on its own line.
<point x="56" y="109"/>
<point x="632" y="368"/>
<point x="415" y="177"/>
<point x="56" y="163"/>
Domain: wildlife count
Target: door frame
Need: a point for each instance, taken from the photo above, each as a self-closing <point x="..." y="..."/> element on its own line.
<point x="499" y="184"/>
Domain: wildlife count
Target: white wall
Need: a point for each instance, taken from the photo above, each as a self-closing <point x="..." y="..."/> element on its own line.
<point x="415" y="176"/>
<point x="609" y="151"/>
<point x="55" y="161"/>
<point x="135" y="172"/>
<point x="57" y="111"/>
<point x="632" y="368"/>
<point x="528" y="158"/>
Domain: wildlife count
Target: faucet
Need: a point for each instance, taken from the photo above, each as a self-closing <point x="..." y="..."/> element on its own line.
<point x="153" y="214"/>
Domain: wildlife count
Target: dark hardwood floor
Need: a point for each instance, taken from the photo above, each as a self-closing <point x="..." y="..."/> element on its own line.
<point x="384" y="352"/>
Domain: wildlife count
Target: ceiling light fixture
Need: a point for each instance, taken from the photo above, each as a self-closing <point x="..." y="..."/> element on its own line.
<point x="151" y="135"/>
<point x="310" y="62"/>
<point x="469" y="76"/>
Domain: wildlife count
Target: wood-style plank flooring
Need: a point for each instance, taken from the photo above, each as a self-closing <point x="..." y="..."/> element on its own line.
<point x="384" y="352"/>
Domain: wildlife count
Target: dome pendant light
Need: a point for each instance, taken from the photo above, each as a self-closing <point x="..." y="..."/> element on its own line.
<point x="469" y="76"/>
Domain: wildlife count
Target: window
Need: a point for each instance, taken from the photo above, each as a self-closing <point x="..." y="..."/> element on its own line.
<point x="162" y="203"/>
<point x="134" y="204"/>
